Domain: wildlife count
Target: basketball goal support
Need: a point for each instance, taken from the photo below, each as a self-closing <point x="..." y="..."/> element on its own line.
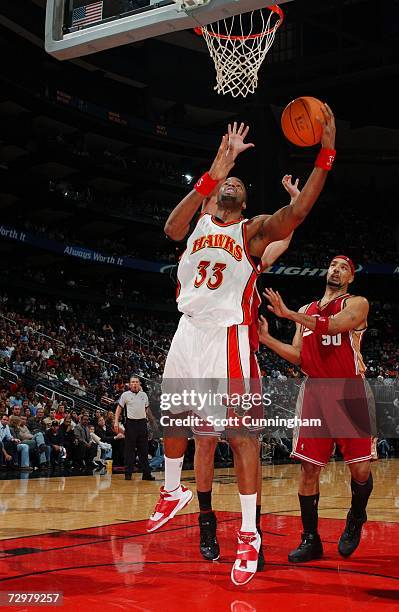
<point x="159" y="18"/>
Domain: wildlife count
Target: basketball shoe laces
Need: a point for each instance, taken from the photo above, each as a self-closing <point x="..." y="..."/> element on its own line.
<point x="162" y="505"/>
<point x="243" y="553"/>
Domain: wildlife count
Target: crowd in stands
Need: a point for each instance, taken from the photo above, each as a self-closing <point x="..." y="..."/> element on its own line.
<point x="77" y="346"/>
<point x="88" y="354"/>
<point x="37" y="432"/>
<point x="41" y="433"/>
<point x="89" y="348"/>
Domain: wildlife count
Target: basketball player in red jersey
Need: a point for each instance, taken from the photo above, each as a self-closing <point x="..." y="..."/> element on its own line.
<point x="205" y="445"/>
<point x="327" y="346"/>
<point x="216" y="277"/>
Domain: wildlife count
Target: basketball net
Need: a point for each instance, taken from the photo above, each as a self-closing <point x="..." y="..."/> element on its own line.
<point x="238" y="57"/>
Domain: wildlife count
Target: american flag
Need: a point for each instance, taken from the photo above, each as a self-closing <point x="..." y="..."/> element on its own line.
<point x="91" y="13"/>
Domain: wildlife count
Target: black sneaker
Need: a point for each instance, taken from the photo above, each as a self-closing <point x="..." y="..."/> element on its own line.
<point x="128" y="476"/>
<point x="310" y="548"/>
<point x="261" y="558"/>
<point x="350" y="538"/>
<point x="148" y="477"/>
<point x="209" y="546"/>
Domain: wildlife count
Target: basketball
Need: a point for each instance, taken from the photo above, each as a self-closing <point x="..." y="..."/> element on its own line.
<point x="299" y="123"/>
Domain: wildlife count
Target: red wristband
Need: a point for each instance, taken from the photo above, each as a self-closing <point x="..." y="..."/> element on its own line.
<point x="325" y="159"/>
<point x="205" y="185"/>
<point x="322" y="325"/>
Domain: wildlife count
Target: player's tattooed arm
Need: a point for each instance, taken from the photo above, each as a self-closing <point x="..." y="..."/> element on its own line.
<point x="233" y="143"/>
<point x="353" y="316"/>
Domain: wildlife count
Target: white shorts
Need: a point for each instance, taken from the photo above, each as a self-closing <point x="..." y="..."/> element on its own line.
<point x="207" y="351"/>
<point x="208" y="358"/>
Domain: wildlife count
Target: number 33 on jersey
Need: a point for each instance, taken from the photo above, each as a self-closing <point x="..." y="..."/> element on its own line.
<point x="216" y="275"/>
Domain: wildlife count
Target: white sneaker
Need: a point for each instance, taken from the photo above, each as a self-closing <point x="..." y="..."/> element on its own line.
<point x="169" y="504"/>
<point x="246" y="563"/>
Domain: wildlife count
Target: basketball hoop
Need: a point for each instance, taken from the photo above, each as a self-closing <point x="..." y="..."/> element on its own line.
<point x="237" y="54"/>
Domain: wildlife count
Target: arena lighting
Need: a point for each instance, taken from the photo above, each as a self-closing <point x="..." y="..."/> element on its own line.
<point x="188" y="178"/>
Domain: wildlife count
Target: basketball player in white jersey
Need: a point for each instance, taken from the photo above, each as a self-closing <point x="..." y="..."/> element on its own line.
<point x="216" y="278"/>
<point x="205" y="445"/>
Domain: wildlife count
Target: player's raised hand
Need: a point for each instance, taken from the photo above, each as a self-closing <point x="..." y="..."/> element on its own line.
<point x="237" y="135"/>
<point x="328" y="126"/>
<point x="231" y="146"/>
<point x="263" y="327"/>
<point x="276" y="305"/>
<point x="291" y="187"/>
<point x="223" y="162"/>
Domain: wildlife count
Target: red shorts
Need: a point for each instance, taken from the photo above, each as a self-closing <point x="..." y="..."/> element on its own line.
<point x="319" y="451"/>
<point x="346" y="412"/>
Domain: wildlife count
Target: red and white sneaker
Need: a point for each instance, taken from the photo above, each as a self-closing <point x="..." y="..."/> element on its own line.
<point x="169" y="504"/>
<point x="246" y="563"/>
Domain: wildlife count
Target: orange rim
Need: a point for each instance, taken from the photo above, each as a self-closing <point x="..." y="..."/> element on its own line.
<point x="274" y="9"/>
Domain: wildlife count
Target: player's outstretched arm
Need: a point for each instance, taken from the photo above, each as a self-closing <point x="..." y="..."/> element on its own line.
<point x="351" y="317"/>
<point x="178" y="222"/>
<point x="289" y="352"/>
<point x="263" y="230"/>
<point x="274" y="250"/>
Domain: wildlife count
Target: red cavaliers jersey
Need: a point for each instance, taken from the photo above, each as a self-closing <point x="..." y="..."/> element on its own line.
<point x="331" y="356"/>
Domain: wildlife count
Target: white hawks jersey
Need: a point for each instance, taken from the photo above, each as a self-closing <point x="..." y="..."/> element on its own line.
<point x="216" y="275"/>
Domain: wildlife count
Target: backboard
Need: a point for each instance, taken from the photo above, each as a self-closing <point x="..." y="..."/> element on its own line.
<point x="80" y="27"/>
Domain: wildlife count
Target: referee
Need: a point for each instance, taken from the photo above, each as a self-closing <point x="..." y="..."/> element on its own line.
<point x="135" y="406"/>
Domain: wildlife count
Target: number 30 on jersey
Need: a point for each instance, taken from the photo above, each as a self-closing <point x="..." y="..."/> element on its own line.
<point x="331" y="340"/>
